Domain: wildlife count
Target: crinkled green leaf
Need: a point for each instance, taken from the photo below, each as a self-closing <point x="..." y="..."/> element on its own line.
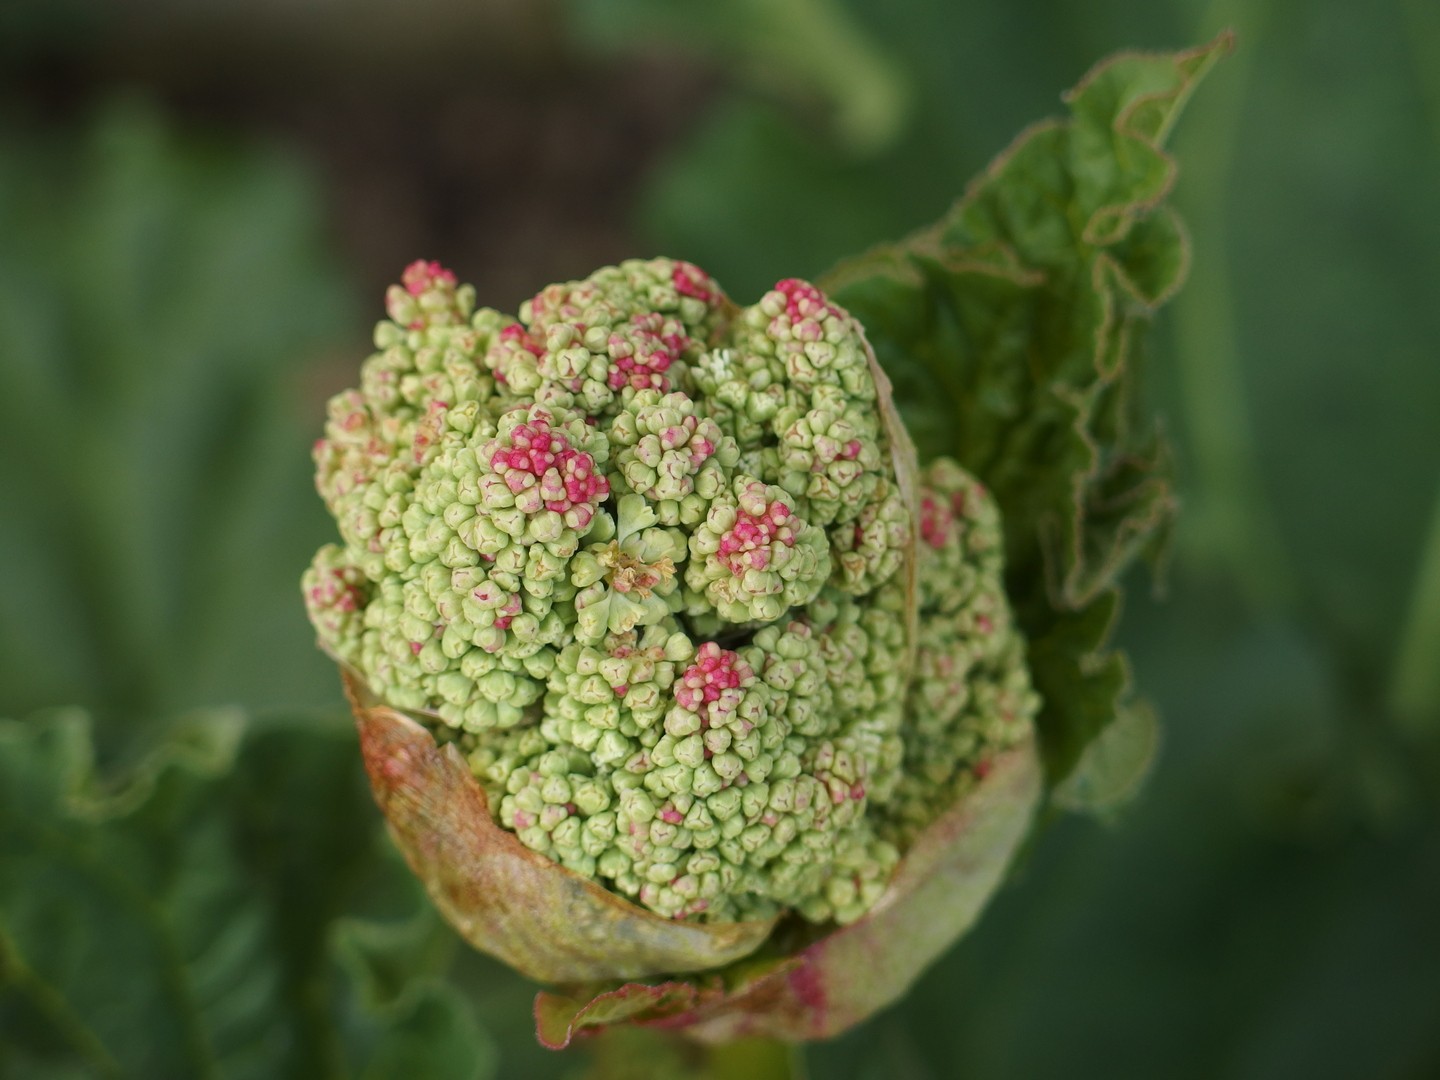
<point x="1012" y="330"/>
<point x="181" y="925"/>
<point x="158" y="300"/>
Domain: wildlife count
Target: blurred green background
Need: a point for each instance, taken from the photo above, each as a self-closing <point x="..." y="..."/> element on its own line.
<point x="200" y="205"/>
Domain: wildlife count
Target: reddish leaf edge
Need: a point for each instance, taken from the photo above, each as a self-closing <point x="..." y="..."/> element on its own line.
<point x="848" y="973"/>
<point x="503" y="898"/>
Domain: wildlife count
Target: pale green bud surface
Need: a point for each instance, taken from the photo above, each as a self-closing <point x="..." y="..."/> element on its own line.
<point x="645" y="558"/>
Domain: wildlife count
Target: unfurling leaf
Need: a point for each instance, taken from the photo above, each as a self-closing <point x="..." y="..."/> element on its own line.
<point x="1012" y="330"/>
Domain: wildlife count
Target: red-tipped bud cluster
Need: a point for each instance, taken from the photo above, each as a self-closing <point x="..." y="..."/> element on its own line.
<point x="428" y="295"/>
<point x="711" y="686"/>
<point x="421" y="276"/>
<point x="690" y="280"/>
<point x="936" y="520"/>
<point x="642" y="353"/>
<point x="541" y="460"/>
<point x="803" y="302"/>
<point x="759" y="526"/>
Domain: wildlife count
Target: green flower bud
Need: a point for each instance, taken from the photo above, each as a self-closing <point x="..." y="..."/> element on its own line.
<point x="668" y="453"/>
<point x="753" y="557"/>
<point x="639" y="555"/>
<point x="971" y="698"/>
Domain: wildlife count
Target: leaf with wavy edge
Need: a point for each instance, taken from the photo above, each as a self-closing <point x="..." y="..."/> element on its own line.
<point x="189" y="922"/>
<point x="1011" y="329"/>
<point x="824" y="987"/>
<point x="503" y="898"/>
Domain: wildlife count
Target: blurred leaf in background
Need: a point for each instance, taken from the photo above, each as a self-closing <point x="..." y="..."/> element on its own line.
<point x="160" y="305"/>
<point x="809" y="54"/>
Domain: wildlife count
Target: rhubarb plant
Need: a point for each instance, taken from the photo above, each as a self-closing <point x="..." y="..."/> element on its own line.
<point x="712" y="660"/>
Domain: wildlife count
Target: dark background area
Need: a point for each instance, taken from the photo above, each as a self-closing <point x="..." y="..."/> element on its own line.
<point x="200" y="207"/>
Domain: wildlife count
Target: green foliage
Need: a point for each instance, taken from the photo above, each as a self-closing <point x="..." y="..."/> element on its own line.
<point x="810" y="53"/>
<point x="1114" y="764"/>
<point x="1262" y="908"/>
<point x="1266" y="908"/>
<point x="1011" y="329"/>
<point x="200" y="916"/>
<point x="197" y="918"/>
<point x="157" y="303"/>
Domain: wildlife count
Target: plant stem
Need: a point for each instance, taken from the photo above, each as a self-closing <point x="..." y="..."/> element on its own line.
<point x="651" y="1054"/>
<point x="1232" y="519"/>
<point x="1422" y="33"/>
<point x="1415" y="678"/>
<point x="756" y="1059"/>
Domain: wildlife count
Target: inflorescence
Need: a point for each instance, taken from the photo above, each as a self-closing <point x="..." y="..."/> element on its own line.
<point x="641" y="554"/>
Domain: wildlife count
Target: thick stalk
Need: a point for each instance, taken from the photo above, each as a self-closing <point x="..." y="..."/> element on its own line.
<point x="1230" y="519"/>
<point x="1415" y="678"/>
<point x="632" y="1053"/>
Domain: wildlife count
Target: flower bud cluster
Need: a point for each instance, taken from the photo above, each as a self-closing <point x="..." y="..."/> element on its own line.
<point x="970" y="695"/>
<point x="754" y="557"/>
<point x="639" y="553"/>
